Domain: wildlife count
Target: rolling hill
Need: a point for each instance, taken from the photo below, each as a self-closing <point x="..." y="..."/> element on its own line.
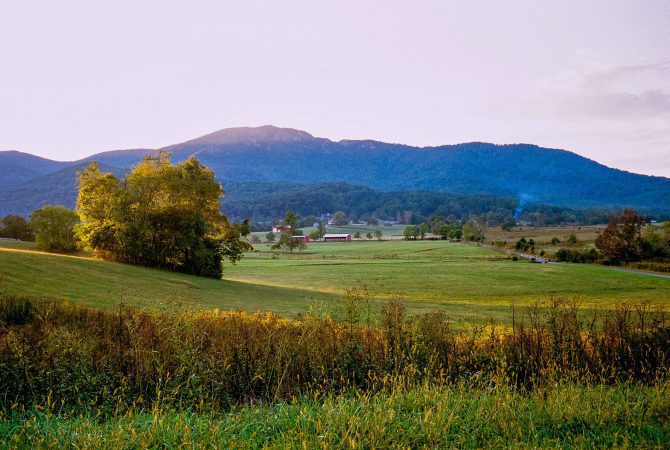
<point x="272" y="155"/>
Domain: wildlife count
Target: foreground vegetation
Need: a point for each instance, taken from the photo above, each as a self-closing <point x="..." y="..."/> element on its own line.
<point x="423" y="416"/>
<point x="70" y="375"/>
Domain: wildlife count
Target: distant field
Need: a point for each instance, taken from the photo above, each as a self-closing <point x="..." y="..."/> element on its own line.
<point x="432" y="273"/>
<point x="586" y="236"/>
<point x="543" y="235"/>
<point x="468" y="282"/>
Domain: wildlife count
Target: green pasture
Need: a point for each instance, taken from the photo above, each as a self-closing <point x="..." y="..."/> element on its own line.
<point x="107" y="284"/>
<point x="441" y="273"/>
<point x="469" y="283"/>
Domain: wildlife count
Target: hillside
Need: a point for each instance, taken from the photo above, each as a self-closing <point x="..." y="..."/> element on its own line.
<point x="268" y="154"/>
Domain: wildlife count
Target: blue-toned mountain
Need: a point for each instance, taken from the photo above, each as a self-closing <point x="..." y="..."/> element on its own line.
<point x="270" y="154"/>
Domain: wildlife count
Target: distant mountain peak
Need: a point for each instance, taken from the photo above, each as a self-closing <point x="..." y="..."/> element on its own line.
<point x="265" y="133"/>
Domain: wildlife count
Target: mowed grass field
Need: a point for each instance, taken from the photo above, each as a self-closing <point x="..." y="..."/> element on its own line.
<point x="106" y="284"/>
<point x="467" y="282"/>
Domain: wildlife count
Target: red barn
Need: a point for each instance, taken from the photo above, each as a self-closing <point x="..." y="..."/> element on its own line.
<point x="305" y="239"/>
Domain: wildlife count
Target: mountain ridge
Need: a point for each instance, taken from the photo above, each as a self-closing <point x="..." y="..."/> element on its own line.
<point x="285" y="155"/>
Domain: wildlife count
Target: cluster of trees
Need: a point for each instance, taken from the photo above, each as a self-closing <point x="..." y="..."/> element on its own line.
<point x="623" y="241"/>
<point x="161" y="215"/>
<point x="287" y="237"/>
<point x="263" y="201"/>
<point x="51" y="227"/>
<point x="472" y="230"/>
<point x="576" y="256"/>
<point x="16" y="227"/>
<point x="525" y="245"/>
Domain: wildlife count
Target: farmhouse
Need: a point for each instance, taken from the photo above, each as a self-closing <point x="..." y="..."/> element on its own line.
<point x="336" y="237"/>
<point x="281" y="229"/>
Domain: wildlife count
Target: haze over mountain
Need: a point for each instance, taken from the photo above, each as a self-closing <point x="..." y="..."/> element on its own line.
<point x="269" y="154"/>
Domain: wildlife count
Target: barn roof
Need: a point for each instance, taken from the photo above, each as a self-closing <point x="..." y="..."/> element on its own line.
<point x="333" y="235"/>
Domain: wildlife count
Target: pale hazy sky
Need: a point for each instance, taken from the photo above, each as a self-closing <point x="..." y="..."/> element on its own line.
<point x="79" y="77"/>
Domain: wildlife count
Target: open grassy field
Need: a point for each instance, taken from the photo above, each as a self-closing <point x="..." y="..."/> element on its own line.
<point x="543" y="235"/>
<point x="140" y="381"/>
<point x="467" y="282"/>
<point x="440" y="273"/>
<point x="106" y="284"/>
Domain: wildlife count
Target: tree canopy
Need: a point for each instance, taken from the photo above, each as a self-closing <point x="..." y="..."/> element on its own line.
<point x="16" y="227"/>
<point x="54" y="228"/>
<point x="161" y="215"/>
<point x="621" y="240"/>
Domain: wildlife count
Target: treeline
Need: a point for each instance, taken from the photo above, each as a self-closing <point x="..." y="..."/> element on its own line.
<point x="54" y="353"/>
<point x="627" y="238"/>
<point x="263" y="202"/>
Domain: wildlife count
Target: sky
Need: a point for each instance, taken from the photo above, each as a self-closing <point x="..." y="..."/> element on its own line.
<point x="593" y="77"/>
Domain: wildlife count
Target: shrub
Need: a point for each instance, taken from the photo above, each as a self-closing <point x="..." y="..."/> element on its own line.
<point x="576" y="256"/>
<point x="57" y="352"/>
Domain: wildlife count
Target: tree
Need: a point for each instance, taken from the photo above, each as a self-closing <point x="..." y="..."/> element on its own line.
<point x="16" y="227"/>
<point x="656" y="242"/>
<point x="435" y="222"/>
<point x="423" y="229"/>
<point x="621" y="241"/>
<point x="321" y="229"/>
<point x="368" y="235"/>
<point x="161" y="215"/>
<point x="340" y="218"/>
<point x="315" y="235"/>
<point x="309" y="221"/>
<point x="287" y="240"/>
<point x="290" y="220"/>
<point x="379" y="234"/>
<point x="270" y="237"/>
<point x="508" y="225"/>
<point x="54" y="228"/>
<point x="232" y="246"/>
<point x="474" y="229"/>
<point x="411" y="232"/>
<point x="445" y="230"/>
<point x="522" y="244"/>
<point x="357" y="235"/>
<point x="254" y="239"/>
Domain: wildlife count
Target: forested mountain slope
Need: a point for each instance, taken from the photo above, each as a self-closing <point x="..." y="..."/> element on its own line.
<point x="269" y="154"/>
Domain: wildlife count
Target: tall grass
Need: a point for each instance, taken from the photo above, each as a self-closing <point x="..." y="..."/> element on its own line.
<point x="69" y="357"/>
<point x="564" y="415"/>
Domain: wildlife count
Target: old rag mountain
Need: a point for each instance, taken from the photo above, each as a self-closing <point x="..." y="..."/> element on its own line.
<point x="275" y="160"/>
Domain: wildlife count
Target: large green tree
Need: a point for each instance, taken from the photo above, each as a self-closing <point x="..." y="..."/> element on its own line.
<point x="161" y="215"/>
<point x="54" y="228"/>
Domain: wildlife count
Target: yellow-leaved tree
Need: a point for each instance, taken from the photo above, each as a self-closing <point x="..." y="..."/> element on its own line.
<point x="161" y="215"/>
